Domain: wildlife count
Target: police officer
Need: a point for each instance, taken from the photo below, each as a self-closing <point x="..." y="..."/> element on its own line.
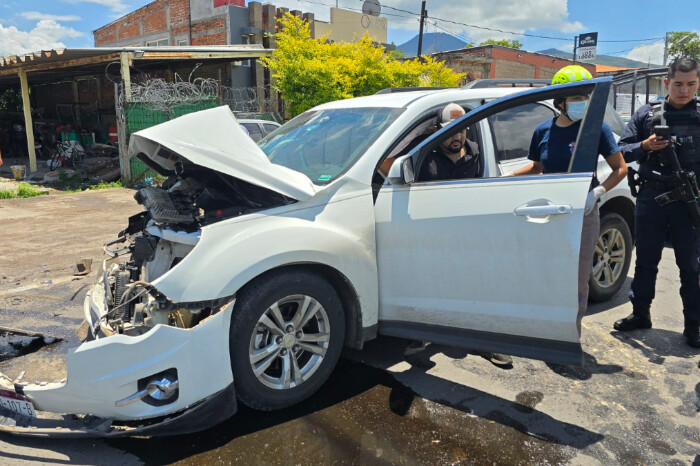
<point x="681" y="112"/>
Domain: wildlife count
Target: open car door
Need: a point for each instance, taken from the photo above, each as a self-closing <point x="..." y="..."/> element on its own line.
<point x="488" y="263"/>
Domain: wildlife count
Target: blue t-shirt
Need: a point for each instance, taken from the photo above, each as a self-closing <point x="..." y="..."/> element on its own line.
<point x="553" y="145"/>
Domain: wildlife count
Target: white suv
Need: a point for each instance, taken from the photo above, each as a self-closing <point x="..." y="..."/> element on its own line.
<point x="253" y="266"/>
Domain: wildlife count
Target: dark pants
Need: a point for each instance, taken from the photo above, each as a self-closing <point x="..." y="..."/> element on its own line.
<point x="652" y="222"/>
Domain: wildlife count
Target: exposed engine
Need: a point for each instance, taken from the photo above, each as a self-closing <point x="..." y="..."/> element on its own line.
<point x="157" y="239"/>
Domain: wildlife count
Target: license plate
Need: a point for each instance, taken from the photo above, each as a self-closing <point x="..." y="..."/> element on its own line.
<point x="16" y="403"/>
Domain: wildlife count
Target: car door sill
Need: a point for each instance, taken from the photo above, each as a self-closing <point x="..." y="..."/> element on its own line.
<point x="535" y="348"/>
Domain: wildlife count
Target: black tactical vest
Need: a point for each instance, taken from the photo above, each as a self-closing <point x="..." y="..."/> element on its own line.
<point x="685" y="126"/>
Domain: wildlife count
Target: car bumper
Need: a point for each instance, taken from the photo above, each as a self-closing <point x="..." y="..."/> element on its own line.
<point x="207" y="413"/>
<point x="103" y="372"/>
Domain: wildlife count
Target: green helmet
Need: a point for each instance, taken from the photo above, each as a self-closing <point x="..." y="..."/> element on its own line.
<point x="570" y="74"/>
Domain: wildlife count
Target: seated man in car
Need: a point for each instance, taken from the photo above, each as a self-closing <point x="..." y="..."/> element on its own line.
<point x="456" y="157"/>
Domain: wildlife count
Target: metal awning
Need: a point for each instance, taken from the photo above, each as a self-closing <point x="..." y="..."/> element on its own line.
<point x="81" y="61"/>
<point x="48" y="65"/>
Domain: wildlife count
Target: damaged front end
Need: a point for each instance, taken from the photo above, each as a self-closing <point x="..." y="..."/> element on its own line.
<point x="150" y="365"/>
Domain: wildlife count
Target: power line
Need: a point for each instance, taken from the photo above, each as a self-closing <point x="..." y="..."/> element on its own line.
<point x="568" y="39"/>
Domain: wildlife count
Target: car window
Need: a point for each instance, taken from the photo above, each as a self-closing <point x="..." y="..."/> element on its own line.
<point x="322" y="144"/>
<point x="253" y="129"/>
<point x="612" y="118"/>
<point x="512" y="129"/>
<point x="269" y="128"/>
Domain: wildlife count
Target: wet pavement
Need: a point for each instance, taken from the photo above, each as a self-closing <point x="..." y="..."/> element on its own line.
<point x="362" y="415"/>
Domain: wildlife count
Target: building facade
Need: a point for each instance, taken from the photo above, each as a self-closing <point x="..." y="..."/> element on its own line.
<point x="224" y="22"/>
<point x="495" y="61"/>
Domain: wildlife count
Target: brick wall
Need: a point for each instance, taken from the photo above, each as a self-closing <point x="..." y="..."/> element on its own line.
<point x="503" y="62"/>
<point x="212" y="32"/>
<point x="155" y="20"/>
<point x="512" y="69"/>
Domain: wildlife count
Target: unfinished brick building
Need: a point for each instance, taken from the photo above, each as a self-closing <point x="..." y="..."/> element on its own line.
<point x="495" y="61"/>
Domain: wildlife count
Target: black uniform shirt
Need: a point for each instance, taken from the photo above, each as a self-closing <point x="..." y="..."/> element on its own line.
<point x="438" y="166"/>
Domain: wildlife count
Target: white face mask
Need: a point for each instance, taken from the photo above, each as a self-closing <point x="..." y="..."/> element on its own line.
<point x="576" y="110"/>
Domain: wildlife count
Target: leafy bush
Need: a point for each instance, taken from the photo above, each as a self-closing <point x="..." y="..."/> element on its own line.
<point x="309" y="72"/>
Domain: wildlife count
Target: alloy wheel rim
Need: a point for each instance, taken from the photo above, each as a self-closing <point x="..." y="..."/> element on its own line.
<point x="289" y="342"/>
<point x="609" y="257"/>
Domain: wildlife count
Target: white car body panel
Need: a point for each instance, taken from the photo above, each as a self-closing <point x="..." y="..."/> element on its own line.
<point x="425" y="277"/>
<point x="213" y="139"/>
<point x="228" y="254"/>
<point x="122" y="360"/>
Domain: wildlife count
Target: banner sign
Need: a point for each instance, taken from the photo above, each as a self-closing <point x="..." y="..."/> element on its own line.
<point x="587" y="46"/>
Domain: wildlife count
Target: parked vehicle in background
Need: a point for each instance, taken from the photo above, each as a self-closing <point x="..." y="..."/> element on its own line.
<point x="258" y="129"/>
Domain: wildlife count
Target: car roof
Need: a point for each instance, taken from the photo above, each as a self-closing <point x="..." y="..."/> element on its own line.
<point x="425" y="97"/>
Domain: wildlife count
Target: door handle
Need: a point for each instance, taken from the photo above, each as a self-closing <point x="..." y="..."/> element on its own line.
<point x="542" y="210"/>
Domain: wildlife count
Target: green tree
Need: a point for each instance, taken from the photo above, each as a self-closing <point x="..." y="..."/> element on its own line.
<point x="683" y="44"/>
<point x="309" y="72"/>
<point x="11" y="99"/>
<point x="514" y="44"/>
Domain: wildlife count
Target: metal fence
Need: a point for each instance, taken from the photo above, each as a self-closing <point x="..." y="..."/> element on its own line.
<point x="155" y="101"/>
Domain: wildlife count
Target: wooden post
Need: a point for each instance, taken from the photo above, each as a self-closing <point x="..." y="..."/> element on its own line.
<point x="125" y="59"/>
<point x="28" y="125"/>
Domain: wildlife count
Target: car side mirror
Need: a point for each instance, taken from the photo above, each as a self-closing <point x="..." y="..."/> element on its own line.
<point x="401" y="172"/>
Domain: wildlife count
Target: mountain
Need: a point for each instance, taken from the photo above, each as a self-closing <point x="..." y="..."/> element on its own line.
<point x="602" y="59"/>
<point x="432" y="42"/>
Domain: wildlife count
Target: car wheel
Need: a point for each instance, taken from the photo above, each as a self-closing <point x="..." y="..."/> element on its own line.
<point x="287" y="331"/>
<point x="611" y="259"/>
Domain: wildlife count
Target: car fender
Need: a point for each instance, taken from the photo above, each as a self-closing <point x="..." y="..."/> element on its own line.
<point x="337" y="234"/>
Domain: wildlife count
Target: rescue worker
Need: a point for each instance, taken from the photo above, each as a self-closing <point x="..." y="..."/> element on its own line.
<point x="551" y="149"/>
<point x="680" y="111"/>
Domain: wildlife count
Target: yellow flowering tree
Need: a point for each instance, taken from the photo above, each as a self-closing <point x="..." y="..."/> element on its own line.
<point x="309" y="72"/>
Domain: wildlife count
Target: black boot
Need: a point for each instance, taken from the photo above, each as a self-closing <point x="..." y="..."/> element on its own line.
<point x="692" y="333"/>
<point x="639" y="318"/>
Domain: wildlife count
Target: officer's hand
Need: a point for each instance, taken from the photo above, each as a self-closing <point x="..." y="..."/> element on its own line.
<point x="653" y="143"/>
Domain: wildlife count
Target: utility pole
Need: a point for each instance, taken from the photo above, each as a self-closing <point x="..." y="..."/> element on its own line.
<point x="575" y="40"/>
<point x="423" y="14"/>
<point x="665" y="49"/>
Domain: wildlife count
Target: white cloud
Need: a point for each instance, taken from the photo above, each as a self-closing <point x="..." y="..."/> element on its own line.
<point x="114" y="5"/>
<point x="35" y="15"/>
<point x="46" y="35"/>
<point x="648" y="53"/>
<point x="508" y="15"/>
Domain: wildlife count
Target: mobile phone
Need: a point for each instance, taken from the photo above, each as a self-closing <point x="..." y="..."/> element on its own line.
<point x="662" y="132"/>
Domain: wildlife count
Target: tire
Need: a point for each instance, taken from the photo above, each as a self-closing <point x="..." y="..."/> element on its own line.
<point x="263" y="352"/>
<point x="611" y="259"/>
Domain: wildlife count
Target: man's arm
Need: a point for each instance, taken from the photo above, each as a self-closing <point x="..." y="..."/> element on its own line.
<point x="637" y="139"/>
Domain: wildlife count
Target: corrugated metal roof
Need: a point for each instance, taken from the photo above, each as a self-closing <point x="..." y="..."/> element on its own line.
<point x="608" y="68"/>
<point x="162" y="53"/>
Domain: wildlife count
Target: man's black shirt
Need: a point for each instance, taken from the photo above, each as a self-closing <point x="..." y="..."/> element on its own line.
<point x="438" y="166"/>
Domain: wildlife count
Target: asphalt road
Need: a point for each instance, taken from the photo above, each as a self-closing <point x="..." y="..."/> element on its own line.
<point x="633" y="402"/>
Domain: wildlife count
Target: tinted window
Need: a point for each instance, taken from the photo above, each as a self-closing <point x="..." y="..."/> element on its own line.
<point x="513" y="128"/>
<point x="269" y="128"/>
<point x="253" y="129"/>
<point x="323" y="144"/>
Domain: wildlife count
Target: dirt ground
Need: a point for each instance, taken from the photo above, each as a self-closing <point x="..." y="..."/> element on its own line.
<point x="634" y="401"/>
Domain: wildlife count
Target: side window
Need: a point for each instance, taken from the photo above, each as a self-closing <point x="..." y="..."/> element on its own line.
<point x="512" y="129"/>
<point x="269" y="128"/>
<point x="253" y="130"/>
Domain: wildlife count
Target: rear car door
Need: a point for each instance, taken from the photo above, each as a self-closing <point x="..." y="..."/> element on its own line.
<point x="488" y="263"/>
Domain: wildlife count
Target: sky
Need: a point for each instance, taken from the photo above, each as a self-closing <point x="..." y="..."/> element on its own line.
<point x="631" y="29"/>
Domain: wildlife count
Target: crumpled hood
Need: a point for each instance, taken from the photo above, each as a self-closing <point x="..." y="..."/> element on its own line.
<point x="214" y="139"/>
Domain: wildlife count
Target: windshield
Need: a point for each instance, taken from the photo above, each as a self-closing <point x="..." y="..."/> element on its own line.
<point x="322" y="144"/>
